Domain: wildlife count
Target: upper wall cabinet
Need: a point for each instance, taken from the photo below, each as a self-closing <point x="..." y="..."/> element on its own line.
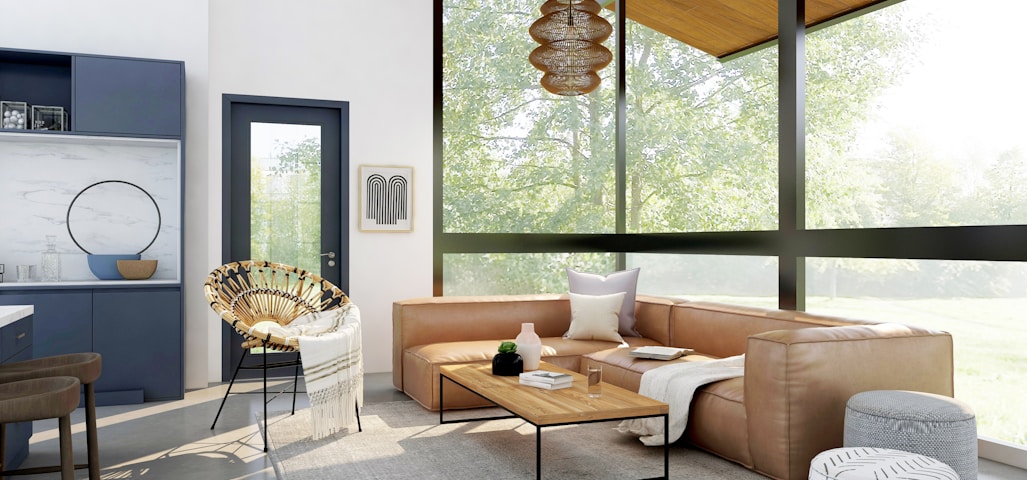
<point x="141" y="97"/>
<point x="101" y="95"/>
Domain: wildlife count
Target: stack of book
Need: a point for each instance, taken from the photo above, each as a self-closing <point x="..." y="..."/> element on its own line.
<point x="660" y="353"/>
<point x="546" y="380"/>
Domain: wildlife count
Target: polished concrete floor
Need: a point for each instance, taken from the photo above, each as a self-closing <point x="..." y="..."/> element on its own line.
<point x="173" y="440"/>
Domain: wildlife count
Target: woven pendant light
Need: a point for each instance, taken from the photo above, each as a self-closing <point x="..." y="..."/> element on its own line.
<point x="552" y="6"/>
<point x="570" y="57"/>
<point x="570" y="54"/>
<point x="575" y="24"/>
<point x="570" y="85"/>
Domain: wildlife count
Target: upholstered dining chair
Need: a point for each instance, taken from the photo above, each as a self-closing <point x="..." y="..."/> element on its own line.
<point x="247" y="294"/>
<point x="39" y="399"/>
<point x="85" y="367"/>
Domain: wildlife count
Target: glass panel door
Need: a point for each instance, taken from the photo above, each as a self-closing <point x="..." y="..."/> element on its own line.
<point x="285" y="192"/>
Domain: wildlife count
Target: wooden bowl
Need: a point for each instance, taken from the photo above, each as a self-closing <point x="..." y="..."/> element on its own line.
<point x="137" y="269"/>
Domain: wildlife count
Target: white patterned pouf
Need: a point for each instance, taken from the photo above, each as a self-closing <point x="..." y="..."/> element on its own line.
<point x="865" y="463"/>
<point x="939" y="427"/>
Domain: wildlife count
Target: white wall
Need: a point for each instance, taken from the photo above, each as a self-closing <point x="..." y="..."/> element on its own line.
<point x="378" y="57"/>
<point x="162" y="30"/>
<point x="375" y="55"/>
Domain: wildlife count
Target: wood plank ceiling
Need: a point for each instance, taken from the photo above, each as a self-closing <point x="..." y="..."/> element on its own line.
<point x="725" y="27"/>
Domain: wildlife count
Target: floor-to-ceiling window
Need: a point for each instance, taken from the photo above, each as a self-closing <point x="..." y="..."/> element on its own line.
<point x="925" y="129"/>
<point x="913" y="166"/>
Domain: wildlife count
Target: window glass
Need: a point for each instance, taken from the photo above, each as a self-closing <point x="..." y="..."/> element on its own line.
<point x="980" y="303"/>
<point x="517" y="273"/>
<point x="737" y="279"/>
<point x="701" y="137"/>
<point x="285" y="194"/>
<point x="517" y="158"/>
<point x="912" y="123"/>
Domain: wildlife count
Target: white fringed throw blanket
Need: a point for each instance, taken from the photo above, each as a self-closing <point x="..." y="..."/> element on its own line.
<point x="333" y="366"/>
<point x="675" y="385"/>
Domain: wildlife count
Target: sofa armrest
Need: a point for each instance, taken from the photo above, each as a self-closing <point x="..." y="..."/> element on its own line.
<point x="797" y="383"/>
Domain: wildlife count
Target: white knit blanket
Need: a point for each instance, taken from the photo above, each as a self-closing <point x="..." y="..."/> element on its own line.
<point x="333" y="365"/>
<point x="675" y="384"/>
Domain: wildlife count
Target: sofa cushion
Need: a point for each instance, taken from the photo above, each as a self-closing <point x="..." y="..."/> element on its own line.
<point x="624" y="281"/>
<point x="623" y="370"/>
<point x="595" y="317"/>
<point x="717" y="420"/>
<point x="421" y="365"/>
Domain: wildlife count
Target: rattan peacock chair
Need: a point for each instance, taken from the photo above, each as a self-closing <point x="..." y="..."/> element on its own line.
<point x="249" y="292"/>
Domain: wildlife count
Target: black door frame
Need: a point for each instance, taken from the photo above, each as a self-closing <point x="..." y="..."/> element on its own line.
<point x="228" y="101"/>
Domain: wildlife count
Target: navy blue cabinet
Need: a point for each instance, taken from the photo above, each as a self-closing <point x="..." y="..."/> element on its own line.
<point x="137" y="328"/>
<point x="137" y="331"/>
<point x="119" y="95"/>
<point x="15" y="346"/>
<point x="63" y="320"/>
<point x="36" y="78"/>
<point x="139" y="334"/>
<point x="102" y="95"/>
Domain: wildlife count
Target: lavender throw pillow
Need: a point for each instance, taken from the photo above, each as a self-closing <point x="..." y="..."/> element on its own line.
<point x="624" y="281"/>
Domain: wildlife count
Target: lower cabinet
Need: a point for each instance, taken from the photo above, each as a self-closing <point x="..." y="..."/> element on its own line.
<point x="15" y="347"/>
<point x="63" y="319"/>
<point x="139" y="334"/>
<point x="137" y="331"/>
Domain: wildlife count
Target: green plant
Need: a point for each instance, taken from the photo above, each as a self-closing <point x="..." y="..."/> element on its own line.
<point x="507" y="347"/>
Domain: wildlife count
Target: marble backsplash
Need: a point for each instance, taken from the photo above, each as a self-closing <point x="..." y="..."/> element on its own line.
<point x="40" y="177"/>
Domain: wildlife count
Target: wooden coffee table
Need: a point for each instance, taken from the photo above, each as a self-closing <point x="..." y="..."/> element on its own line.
<point x="549" y="408"/>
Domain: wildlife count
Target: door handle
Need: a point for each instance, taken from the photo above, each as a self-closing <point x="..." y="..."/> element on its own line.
<point x="330" y="255"/>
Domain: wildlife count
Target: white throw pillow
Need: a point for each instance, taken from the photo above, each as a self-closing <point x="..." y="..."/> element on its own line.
<point x="595" y="317"/>
<point x="622" y="281"/>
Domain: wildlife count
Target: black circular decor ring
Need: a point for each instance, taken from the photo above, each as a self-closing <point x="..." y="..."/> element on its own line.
<point x="67" y="218"/>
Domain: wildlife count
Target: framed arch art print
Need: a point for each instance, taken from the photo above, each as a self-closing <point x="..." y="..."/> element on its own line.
<point x="386" y="198"/>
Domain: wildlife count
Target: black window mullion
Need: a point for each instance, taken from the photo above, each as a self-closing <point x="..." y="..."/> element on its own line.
<point x="791" y="149"/>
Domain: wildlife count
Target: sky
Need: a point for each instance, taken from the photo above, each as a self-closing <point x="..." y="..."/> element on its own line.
<point x="967" y="92"/>
<point x="264" y="135"/>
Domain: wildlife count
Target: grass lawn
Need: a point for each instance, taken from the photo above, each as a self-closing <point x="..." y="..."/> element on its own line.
<point x="989" y="337"/>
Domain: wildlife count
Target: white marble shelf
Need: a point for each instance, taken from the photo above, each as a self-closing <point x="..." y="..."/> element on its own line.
<point x="81" y="139"/>
<point x="90" y="284"/>
<point x="43" y="176"/>
<point x="12" y="313"/>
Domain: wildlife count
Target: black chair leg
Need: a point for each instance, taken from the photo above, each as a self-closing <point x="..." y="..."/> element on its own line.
<point x="223" y="400"/>
<point x="265" y="395"/>
<point x="295" y="383"/>
<point x="359" y="428"/>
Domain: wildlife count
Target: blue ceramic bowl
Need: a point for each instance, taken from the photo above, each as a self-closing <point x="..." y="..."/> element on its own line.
<point x="105" y="267"/>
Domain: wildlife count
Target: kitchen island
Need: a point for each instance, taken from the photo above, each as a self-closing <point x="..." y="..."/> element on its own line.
<point x="15" y="346"/>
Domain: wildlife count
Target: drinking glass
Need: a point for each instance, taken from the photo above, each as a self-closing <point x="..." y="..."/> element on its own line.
<point x="25" y="273"/>
<point x="595" y="377"/>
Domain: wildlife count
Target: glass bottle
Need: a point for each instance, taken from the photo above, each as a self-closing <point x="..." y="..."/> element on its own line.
<point x="529" y="346"/>
<point x="50" y="266"/>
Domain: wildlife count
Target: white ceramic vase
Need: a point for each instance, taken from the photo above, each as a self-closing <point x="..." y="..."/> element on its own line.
<point x="529" y="346"/>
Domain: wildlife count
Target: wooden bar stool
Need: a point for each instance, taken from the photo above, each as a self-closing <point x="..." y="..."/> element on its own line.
<point x="83" y="366"/>
<point x="38" y="399"/>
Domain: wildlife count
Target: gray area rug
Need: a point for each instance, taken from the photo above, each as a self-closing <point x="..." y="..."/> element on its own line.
<point x="402" y="440"/>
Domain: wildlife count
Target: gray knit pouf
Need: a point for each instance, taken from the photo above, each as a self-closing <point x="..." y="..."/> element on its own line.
<point x="865" y="463"/>
<point x="932" y="425"/>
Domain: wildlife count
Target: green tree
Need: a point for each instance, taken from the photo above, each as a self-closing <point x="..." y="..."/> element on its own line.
<point x="285" y="205"/>
<point x="701" y="140"/>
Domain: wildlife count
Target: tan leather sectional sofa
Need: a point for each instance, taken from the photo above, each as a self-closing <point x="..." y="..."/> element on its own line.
<point x="800" y="368"/>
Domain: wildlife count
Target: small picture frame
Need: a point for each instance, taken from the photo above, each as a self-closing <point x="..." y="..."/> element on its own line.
<point x="386" y="198"/>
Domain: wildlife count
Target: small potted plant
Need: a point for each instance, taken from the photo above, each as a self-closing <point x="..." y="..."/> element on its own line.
<point x="507" y="362"/>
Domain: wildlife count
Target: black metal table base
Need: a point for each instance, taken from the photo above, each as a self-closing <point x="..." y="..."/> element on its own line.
<point x="538" y="428"/>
